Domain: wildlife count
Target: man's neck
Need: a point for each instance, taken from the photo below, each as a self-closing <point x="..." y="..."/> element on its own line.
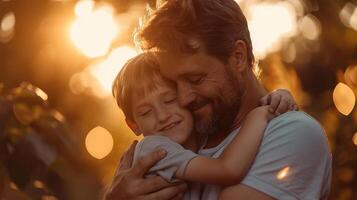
<point x="254" y="91"/>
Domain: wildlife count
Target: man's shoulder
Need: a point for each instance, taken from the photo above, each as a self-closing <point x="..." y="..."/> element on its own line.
<point x="295" y="125"/>
<point x="294" y="120"/>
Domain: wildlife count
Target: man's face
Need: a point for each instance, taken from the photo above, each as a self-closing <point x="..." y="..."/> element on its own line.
<point x="207" y="87"/>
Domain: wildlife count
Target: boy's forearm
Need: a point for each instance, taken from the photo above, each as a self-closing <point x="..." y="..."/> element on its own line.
<point x="240" y="154"/>
<point x="209" y="171"/>
<point x="236" y="160"/>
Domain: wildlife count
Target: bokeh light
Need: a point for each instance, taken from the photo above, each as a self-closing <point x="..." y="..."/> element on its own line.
<point x="282" y="16"/>
<point x="99" y="142"/>
<point x="7" y="27"/>
<point x="353" y="19"/>
<point x="94" y="30"/>
<point x="8" y="22"/>
<point x="344" y="99"/>
<point x="346" y="14"/>
<point x="310" y="27"/>
<point x="41" y="94"/>
<point x="106" y="71"/>
<point x="84" y="7"/>
<point x="354" y="139"/>
<point x="283" y="173"/>
<point x="38" y="184"/>
<point x="351" y="75"/>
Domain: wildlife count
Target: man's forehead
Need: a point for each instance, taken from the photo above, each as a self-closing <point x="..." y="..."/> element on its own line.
<point x="172" y="65"/>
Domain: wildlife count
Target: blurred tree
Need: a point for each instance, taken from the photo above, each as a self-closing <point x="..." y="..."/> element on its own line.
<point x="39" y="156"/>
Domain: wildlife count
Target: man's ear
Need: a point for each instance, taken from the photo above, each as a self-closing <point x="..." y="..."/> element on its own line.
<point x="133" y="126"/>
<point x="239" y="56"/>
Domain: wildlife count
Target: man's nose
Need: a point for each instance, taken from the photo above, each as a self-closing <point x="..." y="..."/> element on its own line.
<point x="185" y="95"/>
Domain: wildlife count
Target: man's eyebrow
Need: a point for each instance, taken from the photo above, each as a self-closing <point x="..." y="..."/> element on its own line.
<point x="193" y="73"/>
<point x="168" y="92"/>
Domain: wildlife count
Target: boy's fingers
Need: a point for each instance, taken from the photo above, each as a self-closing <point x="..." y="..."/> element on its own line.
<point x="291" y="108"/>
<point x="145" y="163"/>
<point x="282" y="107"/>
<point x="274" y="103"/>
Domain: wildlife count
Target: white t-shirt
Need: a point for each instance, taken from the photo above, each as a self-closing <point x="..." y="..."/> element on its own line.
<point x="293" y="162"/>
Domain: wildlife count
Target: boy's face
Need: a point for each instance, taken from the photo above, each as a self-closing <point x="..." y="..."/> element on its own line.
<point x="158" y="113"/>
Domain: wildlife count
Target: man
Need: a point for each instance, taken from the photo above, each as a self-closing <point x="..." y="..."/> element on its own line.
<point x="205" y="48"/>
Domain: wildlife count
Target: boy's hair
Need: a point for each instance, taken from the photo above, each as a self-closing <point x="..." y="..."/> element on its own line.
<point x="139" y="76"/>
<point x="217" y="24"/>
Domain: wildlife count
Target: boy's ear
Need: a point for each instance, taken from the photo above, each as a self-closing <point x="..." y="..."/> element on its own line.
<point x="133" y="126"/>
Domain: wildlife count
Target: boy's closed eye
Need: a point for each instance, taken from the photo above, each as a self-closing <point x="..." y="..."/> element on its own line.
<point x="144" y="112"/>
<point x="170" y="100"/>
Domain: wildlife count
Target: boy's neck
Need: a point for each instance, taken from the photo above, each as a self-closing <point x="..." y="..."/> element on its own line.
<point x="192" y="143"/>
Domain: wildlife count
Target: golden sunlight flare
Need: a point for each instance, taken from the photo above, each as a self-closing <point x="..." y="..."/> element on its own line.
<point x="94" y="30"/>
<point x="84" y="7"/>
<point x="283" y="18"/>
<point x="41" y="94"/>
<point x="283" y="173"/>
<point x="99" y="142"/>
<point x="106" y="71"/>
<point x="7" y="27"/>
<point x="344" y="99"/>
<point x="354" y="139"/>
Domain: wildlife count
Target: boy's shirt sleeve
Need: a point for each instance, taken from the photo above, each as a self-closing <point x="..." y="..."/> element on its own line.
<point x="176" y="158"/>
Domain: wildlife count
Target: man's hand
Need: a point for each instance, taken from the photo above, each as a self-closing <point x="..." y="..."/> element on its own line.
<point x="279" y="101"/>
<point x="129" y="182"/>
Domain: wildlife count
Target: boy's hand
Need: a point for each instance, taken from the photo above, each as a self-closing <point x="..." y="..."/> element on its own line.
<point x="279" y="101"/>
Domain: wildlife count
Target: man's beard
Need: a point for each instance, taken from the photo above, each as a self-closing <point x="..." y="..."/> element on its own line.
<point x="221" y="119"/>
<point x="223" y="112"/>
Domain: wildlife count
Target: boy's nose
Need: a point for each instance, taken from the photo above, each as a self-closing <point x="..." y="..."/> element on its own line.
<point x="163" y="115"/>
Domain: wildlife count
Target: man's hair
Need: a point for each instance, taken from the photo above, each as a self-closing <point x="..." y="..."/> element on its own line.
<point x="217" y="24"/>
<point x="139" y="76"/>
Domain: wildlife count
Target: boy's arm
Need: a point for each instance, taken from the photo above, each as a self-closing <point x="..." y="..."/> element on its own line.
<point x="235" y="161"/>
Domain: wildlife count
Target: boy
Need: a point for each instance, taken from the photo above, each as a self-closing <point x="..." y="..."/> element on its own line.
<point x="149" y="103"/>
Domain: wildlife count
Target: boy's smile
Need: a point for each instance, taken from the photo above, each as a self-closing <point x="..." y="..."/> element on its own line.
<point x="157" y="112"/>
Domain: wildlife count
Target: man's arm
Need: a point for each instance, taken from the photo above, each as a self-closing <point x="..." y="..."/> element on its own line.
<point x="129" y="182"/>
<point x="242" y="192"/>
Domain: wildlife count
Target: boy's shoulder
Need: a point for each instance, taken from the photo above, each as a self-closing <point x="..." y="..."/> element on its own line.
<point x="154" y="140"/>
